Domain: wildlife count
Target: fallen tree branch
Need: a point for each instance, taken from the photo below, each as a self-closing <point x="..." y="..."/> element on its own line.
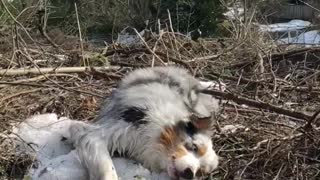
<point x="22" y="71"/>
<point x="312" y="119"/>
<point x="257" y="104"/>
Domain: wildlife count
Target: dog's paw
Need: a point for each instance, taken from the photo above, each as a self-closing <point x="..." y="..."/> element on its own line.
<point x="210" y="85"/>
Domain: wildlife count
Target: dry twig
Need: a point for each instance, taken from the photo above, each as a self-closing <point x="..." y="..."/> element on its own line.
<point x="13" y="72"/>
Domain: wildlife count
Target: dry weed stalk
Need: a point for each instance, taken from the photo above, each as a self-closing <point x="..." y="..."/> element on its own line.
<point x="80" y="35"/>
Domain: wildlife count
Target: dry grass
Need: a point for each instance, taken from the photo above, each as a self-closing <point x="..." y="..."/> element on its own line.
<point x="269" y="146"/>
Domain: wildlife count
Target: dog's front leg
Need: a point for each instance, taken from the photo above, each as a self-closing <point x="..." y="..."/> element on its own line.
<point x="94" y="155"/>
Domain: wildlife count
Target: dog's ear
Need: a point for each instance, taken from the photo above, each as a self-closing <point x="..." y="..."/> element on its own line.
<point x="201" y="123"/>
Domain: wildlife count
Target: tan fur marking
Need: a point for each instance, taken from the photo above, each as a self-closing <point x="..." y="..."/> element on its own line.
<point x="169" y="140"/>
<point x="202" y="150"/>
<point x="168" y="137"/>
<point x="180" y="151"/>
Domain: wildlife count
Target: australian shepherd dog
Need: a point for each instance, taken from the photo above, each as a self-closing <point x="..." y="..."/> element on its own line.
<point x="156" y="116"/>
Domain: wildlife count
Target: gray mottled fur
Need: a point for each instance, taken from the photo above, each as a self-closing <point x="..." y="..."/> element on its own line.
<point x="168" y="94"/>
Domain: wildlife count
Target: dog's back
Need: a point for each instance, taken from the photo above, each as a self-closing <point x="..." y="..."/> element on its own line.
<point x="159" y="87"/>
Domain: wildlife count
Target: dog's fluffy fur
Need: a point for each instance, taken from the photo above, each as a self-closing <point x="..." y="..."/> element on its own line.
<point x="157" y="116"/>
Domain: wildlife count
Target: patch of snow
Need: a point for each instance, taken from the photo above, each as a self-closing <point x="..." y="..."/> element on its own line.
<point x="292" y="25"/>
<point x="210" y="85"/>
<point x="308" y="38"/>
<point x="227" y="129"/>
<point x="231" y="129"/>
<point x="55" y="158"/>
<point x="234" y="13"/>
<point x="125" y="38"/>
<point x="244" y="106"/>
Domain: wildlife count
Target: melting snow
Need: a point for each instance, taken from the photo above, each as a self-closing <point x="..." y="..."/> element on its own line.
<point x="283" y="27"/>
<point x="308" y="38"/>
<point x="234" y="13"/>
<point x="55" y="159"/>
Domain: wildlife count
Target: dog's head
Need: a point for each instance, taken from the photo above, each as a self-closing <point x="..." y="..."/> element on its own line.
<point x="189" y="150"/>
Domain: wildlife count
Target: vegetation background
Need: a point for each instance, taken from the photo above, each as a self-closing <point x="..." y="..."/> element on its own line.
<point x="111" y="16"/>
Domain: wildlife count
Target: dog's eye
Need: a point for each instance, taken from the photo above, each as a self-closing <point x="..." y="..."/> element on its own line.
<point x="191" y="147"/>
<point x="194" y="148"/>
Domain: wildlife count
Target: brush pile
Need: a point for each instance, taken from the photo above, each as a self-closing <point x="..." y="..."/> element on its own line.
<point x="279" y="139"/>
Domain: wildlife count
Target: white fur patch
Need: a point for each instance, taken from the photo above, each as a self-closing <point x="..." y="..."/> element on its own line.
<point x="187" y="161"/>
<point x="210" y="160"/>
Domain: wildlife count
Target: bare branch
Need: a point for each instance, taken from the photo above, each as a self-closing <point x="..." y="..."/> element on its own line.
<point x="260" y="105"/>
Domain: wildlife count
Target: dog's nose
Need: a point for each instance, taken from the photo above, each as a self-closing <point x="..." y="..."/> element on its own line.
<point x="187" y="174"/>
